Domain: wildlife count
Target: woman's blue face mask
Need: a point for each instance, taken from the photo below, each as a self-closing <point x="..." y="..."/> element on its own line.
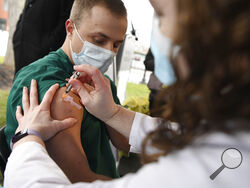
<point x="160" y="47"/>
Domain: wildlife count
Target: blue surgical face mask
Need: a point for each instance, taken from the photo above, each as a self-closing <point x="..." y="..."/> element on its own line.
<point x="93" y="55"/>
<point x="161" y="47"/>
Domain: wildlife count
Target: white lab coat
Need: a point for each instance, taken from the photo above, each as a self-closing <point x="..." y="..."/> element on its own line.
<point x="30" y="166"/>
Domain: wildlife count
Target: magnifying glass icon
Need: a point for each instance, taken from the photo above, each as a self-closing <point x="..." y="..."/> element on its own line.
<point x="231" y="158"/>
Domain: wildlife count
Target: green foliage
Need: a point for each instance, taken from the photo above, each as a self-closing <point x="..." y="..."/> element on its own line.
<point x="1" y="59"/>
<point x="137" y="98"/>
<point x="3" y="102"/>
<point x="137" y="104"/>
<point x="138" y="90"/>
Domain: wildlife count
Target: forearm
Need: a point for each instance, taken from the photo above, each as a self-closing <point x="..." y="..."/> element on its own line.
<point x="134" y="126"/>
<point x="29" y="138"/>
<point x="122" y="121"/>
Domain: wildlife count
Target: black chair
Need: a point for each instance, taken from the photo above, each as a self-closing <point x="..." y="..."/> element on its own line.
<point x="4" y="151"/>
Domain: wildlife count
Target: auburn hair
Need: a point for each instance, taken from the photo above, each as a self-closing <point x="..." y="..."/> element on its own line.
<point x="214" y="36"/>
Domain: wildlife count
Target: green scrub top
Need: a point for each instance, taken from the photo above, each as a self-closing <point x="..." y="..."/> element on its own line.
<point x="55" y="68"/>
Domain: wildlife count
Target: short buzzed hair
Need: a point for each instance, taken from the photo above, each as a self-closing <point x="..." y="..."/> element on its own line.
<point x="116" y="7"/>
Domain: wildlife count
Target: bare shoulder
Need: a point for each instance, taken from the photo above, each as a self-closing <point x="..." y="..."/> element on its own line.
<point x="66" y="105"/>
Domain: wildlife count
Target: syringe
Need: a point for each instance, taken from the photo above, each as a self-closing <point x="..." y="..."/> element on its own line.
<point x="75" y="76"/>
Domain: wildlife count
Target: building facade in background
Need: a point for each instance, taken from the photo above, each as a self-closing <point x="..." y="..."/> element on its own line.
<point x="4" y="15"/>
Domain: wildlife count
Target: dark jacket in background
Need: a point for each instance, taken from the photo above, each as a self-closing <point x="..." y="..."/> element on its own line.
<point x="149" y="61"/>
<point x="40" y="30"/>
<point x="154" y="84"/>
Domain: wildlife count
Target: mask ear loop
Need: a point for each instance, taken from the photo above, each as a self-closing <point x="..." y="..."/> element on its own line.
<point x="77" y="33"/>
<point x="70" y="46"/>
<point x="79" y="36"/>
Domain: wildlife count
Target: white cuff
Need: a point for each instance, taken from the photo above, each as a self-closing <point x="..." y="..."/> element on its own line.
<point x="141" y="126"/>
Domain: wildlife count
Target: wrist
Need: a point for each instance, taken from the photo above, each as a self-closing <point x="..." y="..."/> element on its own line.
<point x="122" y="121"/>
<point x="29" y="138"/>
<point x="23" y="134"/>
<point x="116" y="110"/>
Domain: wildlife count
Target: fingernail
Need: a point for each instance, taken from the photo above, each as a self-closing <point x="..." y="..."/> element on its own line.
<point x="75" y="66"/>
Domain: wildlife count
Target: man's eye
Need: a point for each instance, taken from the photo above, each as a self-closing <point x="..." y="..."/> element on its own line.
<point x="99" y="42"/>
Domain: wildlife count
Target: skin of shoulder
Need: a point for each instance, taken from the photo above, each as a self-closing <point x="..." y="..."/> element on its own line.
<point x="62" y="108"/>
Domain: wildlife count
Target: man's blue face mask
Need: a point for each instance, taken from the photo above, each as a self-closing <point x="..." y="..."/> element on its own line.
<point x="160" y="47"/>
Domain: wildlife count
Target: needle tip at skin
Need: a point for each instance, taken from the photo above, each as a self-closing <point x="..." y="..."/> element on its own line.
<point x="68" y="88"/>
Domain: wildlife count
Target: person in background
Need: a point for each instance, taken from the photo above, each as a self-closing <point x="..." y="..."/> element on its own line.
<point x="209" y="99"/>
<point x="39" y="30"/>
<point x="154" y="83"/>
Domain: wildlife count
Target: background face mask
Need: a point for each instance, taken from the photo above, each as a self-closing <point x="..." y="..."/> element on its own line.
<point x="161" y="46"/>
<point x="93" y="55"/>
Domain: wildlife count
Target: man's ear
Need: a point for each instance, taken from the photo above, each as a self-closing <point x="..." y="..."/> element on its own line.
<point x="69" y="28"/>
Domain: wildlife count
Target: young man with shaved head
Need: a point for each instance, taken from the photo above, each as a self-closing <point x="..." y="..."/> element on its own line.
<point x="95" y="30"/>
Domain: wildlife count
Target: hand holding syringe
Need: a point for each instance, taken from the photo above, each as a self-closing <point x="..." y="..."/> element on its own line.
<point x="70" y="99"/>
<point x="66" y="97"/>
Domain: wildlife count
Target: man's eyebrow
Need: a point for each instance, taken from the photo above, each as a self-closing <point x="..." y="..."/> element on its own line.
<point x="105" y="36"/>
<point x="101" y="34"/>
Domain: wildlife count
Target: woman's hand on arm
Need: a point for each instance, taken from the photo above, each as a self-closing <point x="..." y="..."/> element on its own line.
<point x="37" y="117"/>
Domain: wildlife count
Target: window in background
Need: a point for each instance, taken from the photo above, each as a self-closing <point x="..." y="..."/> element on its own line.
<point x="2" y="24"/>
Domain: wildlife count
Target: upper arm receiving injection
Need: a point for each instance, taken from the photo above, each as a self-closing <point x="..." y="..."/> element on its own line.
<point x="66" y="104"/>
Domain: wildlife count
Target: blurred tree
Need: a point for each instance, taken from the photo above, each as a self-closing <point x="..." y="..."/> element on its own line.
<point x="15" y="8"/>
